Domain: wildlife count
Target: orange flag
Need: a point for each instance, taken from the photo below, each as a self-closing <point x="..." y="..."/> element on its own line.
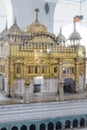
<point x="76" y="19"/>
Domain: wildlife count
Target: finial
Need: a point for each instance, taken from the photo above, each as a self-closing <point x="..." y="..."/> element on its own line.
<point x="6" y="27"/>
<point x="36" y="10"/>
<point x="15" y="20"/>
<point x="74" y="24"/>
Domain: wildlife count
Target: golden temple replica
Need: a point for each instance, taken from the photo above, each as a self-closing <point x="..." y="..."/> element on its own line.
<point x="38" y="66"/>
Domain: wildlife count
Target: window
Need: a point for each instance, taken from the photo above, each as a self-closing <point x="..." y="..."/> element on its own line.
<point x="15" y="38"/>
<point x="58" y="125"/>
<point x="24" y="127"/>
<point x="3" y="128"/>
<point x="72" y="70"/>
<point x="14" y="128"/>
<point x="82" y="122"/>
<point x="67" y="70"/>
<point x="30" y="68"/>
<point x="18" y="69"/>
<point x="50" y="126"/>
<point x="36" y="69"/>
<point x="32" y="127"/>
<point x="37" y="88"/>
<point x="67" y="124"/>
<point x="55" y="69"/>
<point x="75" y="123"/>
<point x="64" y="70"/>
<point x="43" y="69"/>
<point x="1" y="46"/>
<point x="42" y="127"/>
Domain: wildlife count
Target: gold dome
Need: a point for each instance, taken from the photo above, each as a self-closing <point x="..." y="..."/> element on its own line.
<point x="36" y="27"/>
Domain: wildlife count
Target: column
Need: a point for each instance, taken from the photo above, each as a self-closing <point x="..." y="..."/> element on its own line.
<point x="78" y="123"/>
<point x="63" y="125"/>
<point x="76" y="76"/>
<point x="46" y="127"/>
<point x="54" y="126"/>
<point x="60" y="82"/>
<point x="84" y="85"/>
<point x="61" y="91"/>
<point x="37" y="126"/>
<point x="85" y="122"/>
<point x="11" y="78"/>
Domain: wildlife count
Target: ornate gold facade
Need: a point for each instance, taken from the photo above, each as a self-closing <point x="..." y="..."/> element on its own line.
<point x="38" y="65"/>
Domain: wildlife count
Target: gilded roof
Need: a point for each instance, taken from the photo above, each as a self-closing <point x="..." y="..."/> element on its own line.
<point x="36" y="27"/>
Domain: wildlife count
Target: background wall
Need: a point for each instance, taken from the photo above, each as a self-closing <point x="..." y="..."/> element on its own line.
<point x="63" y="16"/>
<point x="61" y="13"/>
<point x="25" y="12"/>
<point x="6" y="13"/>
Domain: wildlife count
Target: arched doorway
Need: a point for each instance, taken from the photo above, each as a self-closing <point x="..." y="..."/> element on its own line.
<point x="32" y="127"/>
<point x="2" y="85"/>
<point x="69" y="85"/>
<point x="75" y="123"/>
<point x="24" y="127"/>
<point x="14" y="128"/>
<point x="42" y="127"/>
<point x="67" y="124"/>
<point x="50" y="126"/>
<point x="58" y="125"/>
<point x="82" y="122"/>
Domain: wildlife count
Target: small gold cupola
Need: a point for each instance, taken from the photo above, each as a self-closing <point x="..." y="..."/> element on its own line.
<point x="14" y="28"/>
<point x="61" y="38"/>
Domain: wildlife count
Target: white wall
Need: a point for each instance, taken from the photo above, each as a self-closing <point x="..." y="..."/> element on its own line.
<point x="6" y="13"/>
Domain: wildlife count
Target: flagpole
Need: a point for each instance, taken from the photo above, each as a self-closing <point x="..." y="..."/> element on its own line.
<point x="74" y="24"/>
